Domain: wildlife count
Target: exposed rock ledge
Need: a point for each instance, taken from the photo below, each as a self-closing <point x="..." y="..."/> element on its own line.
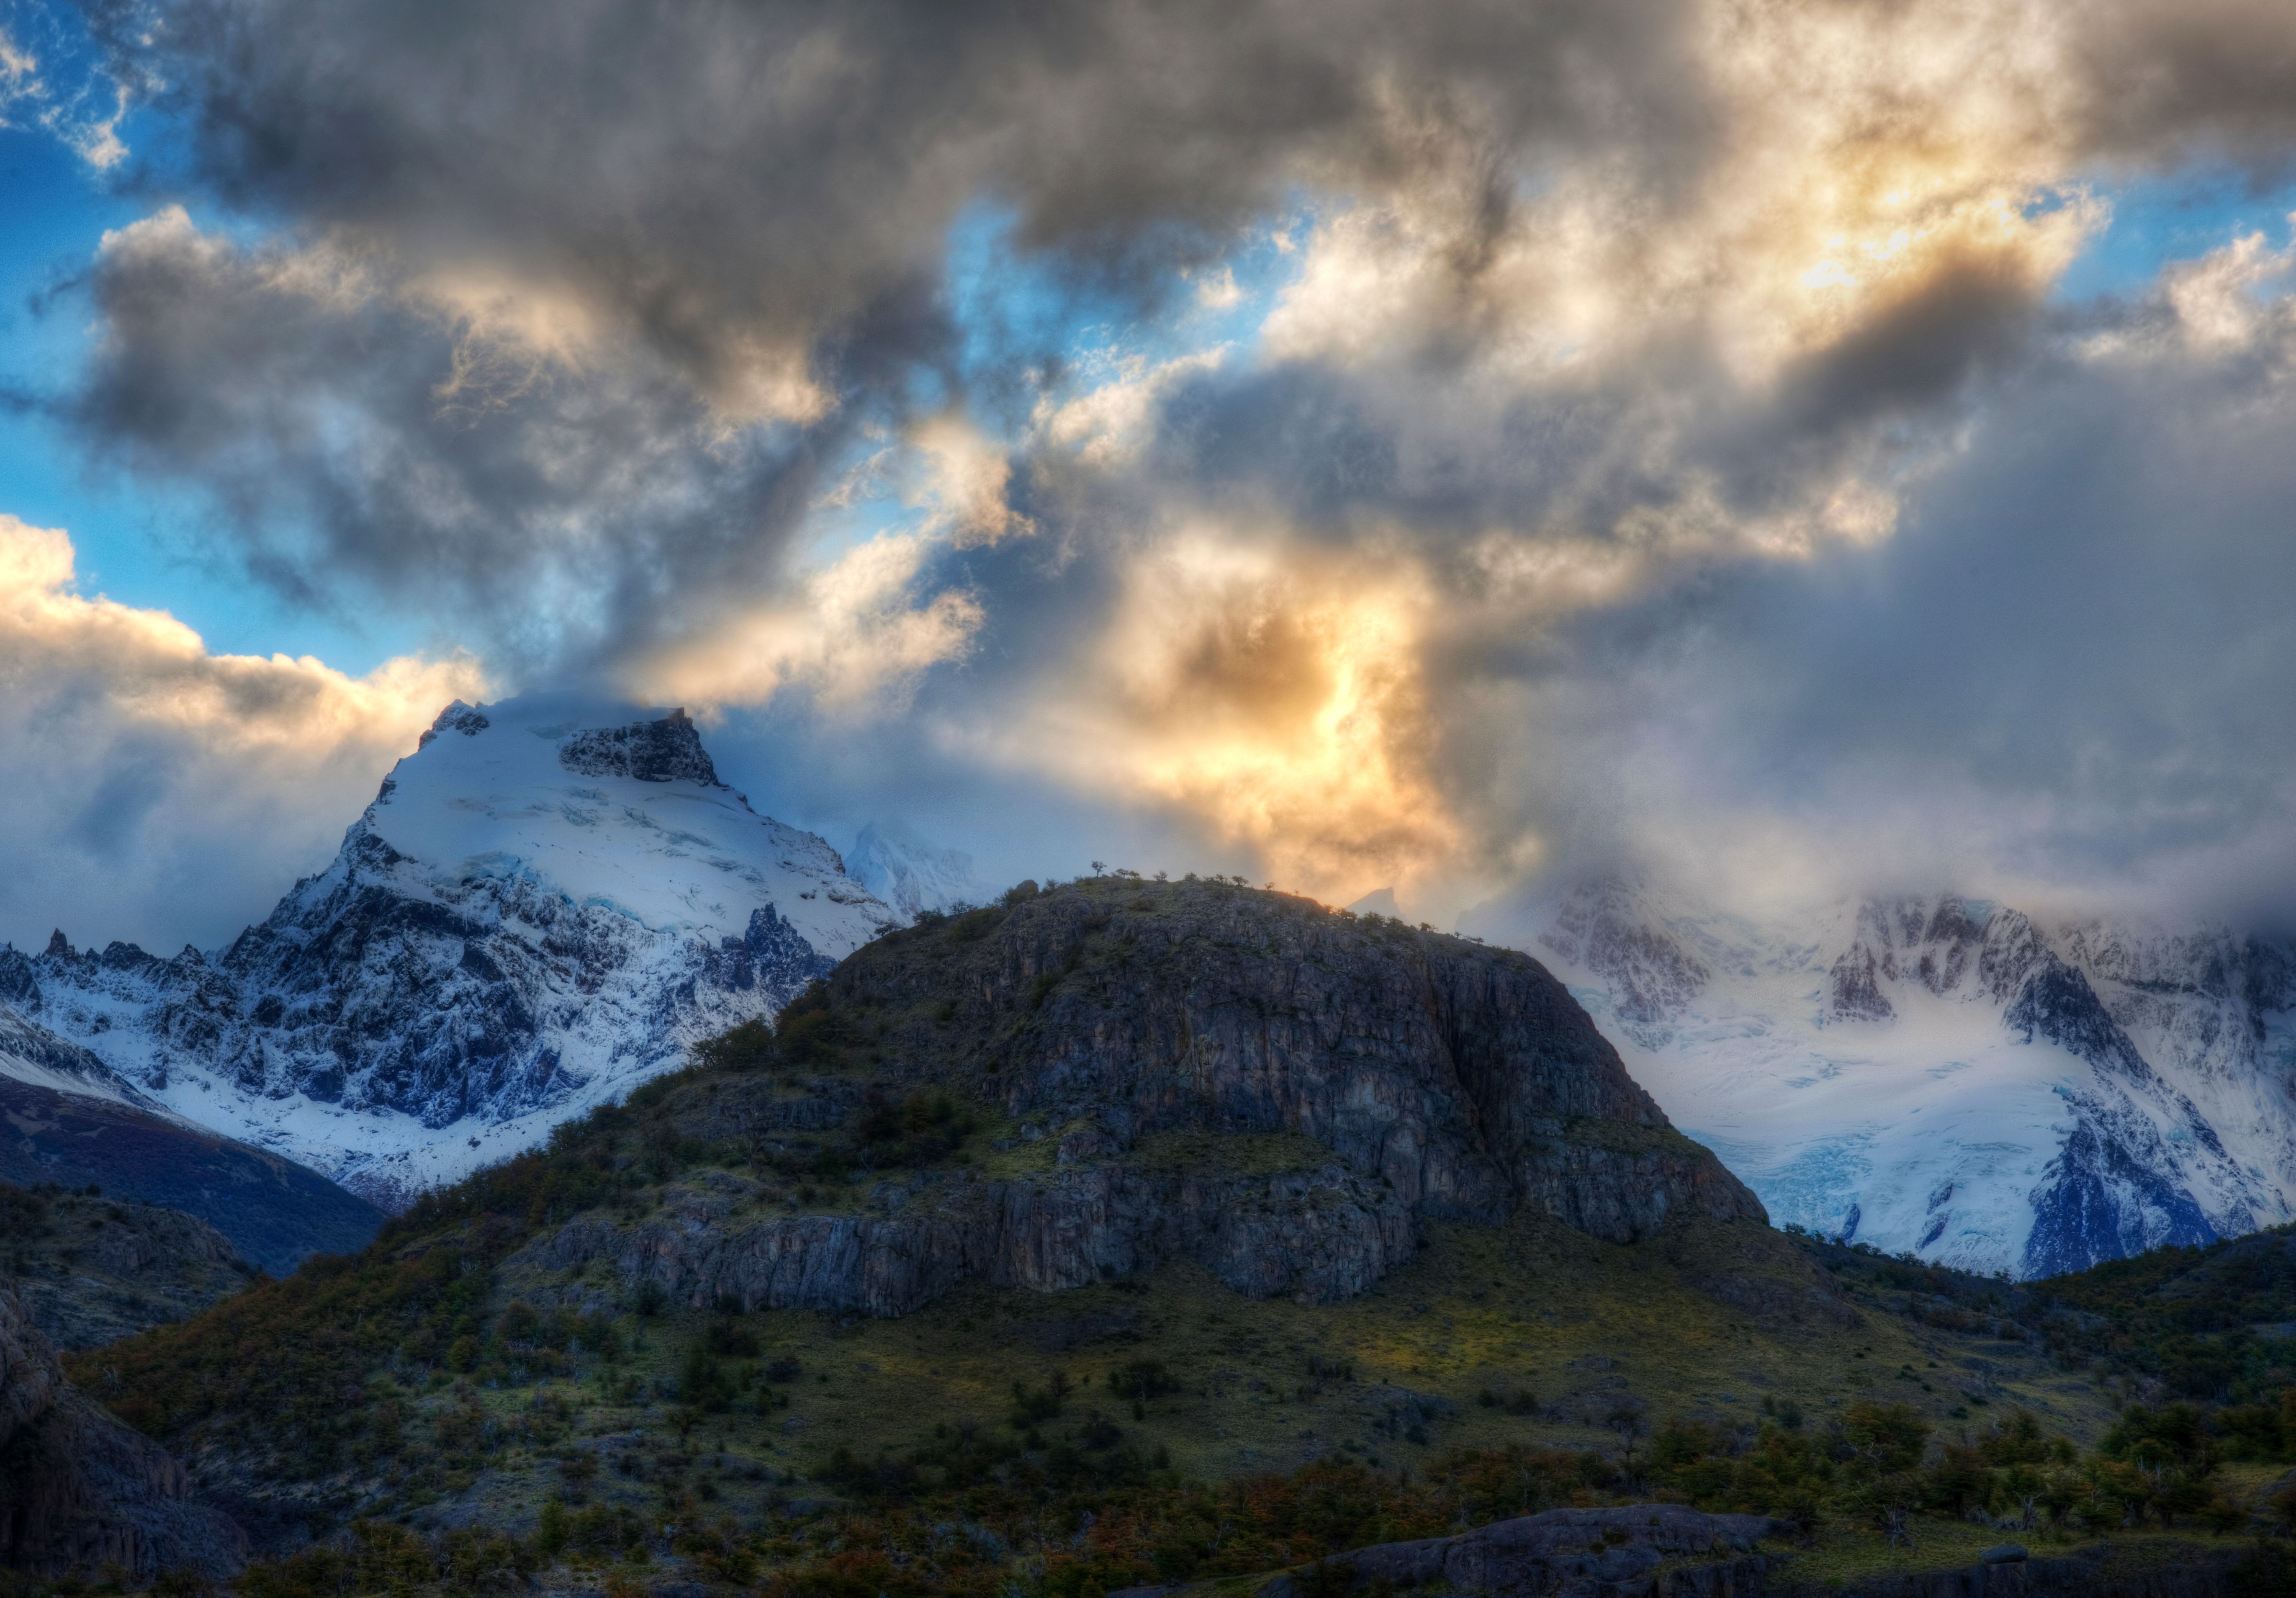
<point x="1152" y="1036"/>
<point x="78" y="1490"/>
<point x="1316" y="1236"/>
<point x="1657" y="1550"/>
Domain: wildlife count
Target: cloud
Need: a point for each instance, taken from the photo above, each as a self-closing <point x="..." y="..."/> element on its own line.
<point x="158" y="792"/>
<point x="854" y="632"/>
<point x="1276" y="693"/>
<point x="1610" y="349"/>
<point x="2063" y="674"/>
<point x="44" y="85"/>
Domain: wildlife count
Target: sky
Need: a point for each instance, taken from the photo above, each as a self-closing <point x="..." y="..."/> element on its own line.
<point x="1789" y="448"/>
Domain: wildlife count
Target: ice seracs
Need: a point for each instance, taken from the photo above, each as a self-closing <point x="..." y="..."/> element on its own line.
<point x="1949" y="1076"/>
<point x="545" y="904"/>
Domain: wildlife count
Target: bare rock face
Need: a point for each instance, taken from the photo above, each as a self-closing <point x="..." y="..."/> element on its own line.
<point x="1316" y="1236"/>
<point x="78" y="1490"/>
<point x="1653" y="1548"/>
<point x="1196" y="1070"/>
<point x="652" y="751"/>
<point x="1466" y="1078"/>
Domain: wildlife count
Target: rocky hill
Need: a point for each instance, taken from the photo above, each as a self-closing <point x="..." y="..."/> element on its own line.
<point x="1196" y="1069"/>
<point x="89" y="1270"/>
<point x="1123" y="1234"/>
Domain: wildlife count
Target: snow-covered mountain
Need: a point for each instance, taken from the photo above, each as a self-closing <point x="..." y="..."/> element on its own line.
<point x="545" y="904"/>
<point x="31" y="1054"/>
<point x="1949" y="1076"/>
<point x="910" y="875"/>
<point x="67" y="1118"/>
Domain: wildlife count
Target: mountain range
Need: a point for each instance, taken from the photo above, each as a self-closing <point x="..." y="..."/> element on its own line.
<point x="1179" y="1209"/>
<point x="1988" y="1089"/>
<point x="554" y="899"/>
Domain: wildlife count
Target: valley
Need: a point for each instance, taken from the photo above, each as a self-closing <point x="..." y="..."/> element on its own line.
<point x="1115" y="1233"/>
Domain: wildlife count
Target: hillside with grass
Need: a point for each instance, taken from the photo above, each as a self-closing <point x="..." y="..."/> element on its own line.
<point x="1036" y="1252"/>
<point x="90" y="1270"/>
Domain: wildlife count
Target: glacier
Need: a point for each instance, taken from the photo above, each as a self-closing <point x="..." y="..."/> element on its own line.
<point x="1947" y="1076"/>
<point x="548" y="902"/>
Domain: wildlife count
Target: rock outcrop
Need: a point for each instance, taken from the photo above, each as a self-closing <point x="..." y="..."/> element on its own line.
<point x="1316" y="1236"/>
<point x="78" y="1490"/>
<point x="2099" y="1571"/>
<point x="1194" y="1071"/>
<point x="1465" y="1077"/>
<point x="1657" y="1550"/>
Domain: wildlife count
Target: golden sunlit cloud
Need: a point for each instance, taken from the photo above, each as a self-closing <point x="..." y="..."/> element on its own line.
<point x="1862" y="154"/>
<point x="148" y="669"/>
<point x="1275" y="692"/>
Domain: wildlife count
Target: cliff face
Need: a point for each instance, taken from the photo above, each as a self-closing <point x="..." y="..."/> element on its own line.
<point x="1465" y="1077"/>
<point x="1314" y="1236"/>
<point x="1189" y="1070"/>
<point x="82" y="1490"/>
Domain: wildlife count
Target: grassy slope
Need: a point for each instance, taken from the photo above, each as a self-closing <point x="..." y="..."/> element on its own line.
<point x="391" y="1383"/>
<point x="72" y="1257"/>
<point x="1605" y="1339"/>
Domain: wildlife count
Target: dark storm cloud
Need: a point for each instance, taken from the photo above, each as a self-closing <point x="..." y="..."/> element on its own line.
<point x="2188" y="79"/>
<point x="704" y="194"/>
<point x="559" y="312"/>
<point x="321" y="417"/>
<point x="2072" y="666"/>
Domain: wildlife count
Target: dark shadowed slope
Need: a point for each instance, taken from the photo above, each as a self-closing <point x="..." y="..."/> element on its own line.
<point x="274" y="1211"/>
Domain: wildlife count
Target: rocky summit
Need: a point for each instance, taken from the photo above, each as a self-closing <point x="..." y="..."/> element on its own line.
<point x="1198" y="1069"/>
<point x="545" y="904"/>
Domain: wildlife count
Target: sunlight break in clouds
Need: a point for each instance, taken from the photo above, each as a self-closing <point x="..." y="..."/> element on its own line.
<point x="1601" y="336"/>
<point x="166" y="778"/>
<point x="1274" y="694"/>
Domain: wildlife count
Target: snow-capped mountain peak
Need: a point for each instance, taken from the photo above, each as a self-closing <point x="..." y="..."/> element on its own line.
<point x="910" y="875"/>
<point x="545" y="904"/>
<point x="1950" y="1076"/>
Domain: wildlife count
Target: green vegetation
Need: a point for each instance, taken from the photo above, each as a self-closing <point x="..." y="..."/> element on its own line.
<point x="91" y="1269"/>
<point x="2210" y="1326"/>
<point x="1158" y="1428"/>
